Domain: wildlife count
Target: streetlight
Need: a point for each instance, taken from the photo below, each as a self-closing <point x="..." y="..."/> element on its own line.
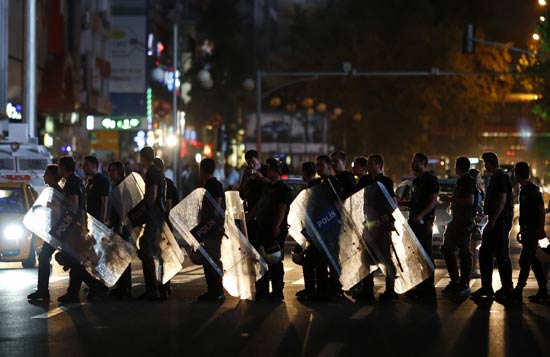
<point x="542" y="2"/>
<point x="536" y="36"/>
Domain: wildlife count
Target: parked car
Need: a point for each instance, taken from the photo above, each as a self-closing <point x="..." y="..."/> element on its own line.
<point x="17" y="244"/>
<point x="442" y="209"/>
<point x="296" y="184"/>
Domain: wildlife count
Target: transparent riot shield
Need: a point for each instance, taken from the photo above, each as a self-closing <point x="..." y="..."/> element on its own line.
<point x="359" y="261"/>
<point x="203" y="227"/>
<point x="127" y="195"/>
<point x="195" y="229"/>
<point x="242" y="263"/>
<point x="104" y="254"/>
<point x="391" y="240"/>
<point x="316" y="216"/>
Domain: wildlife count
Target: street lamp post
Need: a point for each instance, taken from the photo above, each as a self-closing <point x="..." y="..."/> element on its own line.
<point x="175" y="121"/>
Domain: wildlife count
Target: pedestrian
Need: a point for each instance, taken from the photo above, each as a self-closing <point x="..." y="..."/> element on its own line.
<point x="531" y="221"/>
<point x="459" y="230"/>
<point x="328" y="283"/>
<point x="231" y="177"/>
<point x="123" y="289"/>
<point x="97" y="202"/>
<point x="476" y="235"/>
<point x="346" y="179"/>
<point x="75" y="195"/>
<point x="308" y="266"/>
<point x="97" y="189"/>
<point x="424" y="192"/>
<point x="51" y="178"/>
<point x="359" y="169"/>
<point x="272" y="219"/>
<point x="375" y="173"/>
<point x="169" y="200"/>
<point x="155" y="189"/>
<point x="212" y="243"/>
<point x="172" y="197"/>
<point x="251" y="190"/>
<point x="495" y="241"/>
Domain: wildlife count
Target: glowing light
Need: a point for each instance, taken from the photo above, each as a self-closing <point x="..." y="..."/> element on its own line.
<point x="171" y="140"/>
<point x="542" y="2"/>
<point x="536" y="36"/>
<point x="48" y="140"/>
<point x="542" y="18"/>
<point x="90" y="122"/>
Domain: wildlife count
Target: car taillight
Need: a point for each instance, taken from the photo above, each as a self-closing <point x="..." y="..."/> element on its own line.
<point x="15" y="177"/>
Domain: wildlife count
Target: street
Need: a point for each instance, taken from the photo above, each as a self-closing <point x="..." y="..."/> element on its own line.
<point x="182" y="326"/>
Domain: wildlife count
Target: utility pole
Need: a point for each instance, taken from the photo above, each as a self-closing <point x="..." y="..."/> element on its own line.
<point x="175" y="123"/>
<point x="29" y="97"/>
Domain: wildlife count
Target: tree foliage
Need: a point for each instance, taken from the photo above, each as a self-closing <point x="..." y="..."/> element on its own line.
<point x="401" y="115"/>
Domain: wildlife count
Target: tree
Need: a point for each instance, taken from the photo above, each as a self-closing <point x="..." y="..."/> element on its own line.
<point x="401" y="115"/>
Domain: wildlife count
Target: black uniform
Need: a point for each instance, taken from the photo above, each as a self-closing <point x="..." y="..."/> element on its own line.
<point x="530" y="200"/>
<point x="496" y="242"/>
<point x="96" y="188"/>
<point x="153" y="177"/>
<point x="459" y="231"/>
<point x="212" y="244"/>
<point x="251" y="195"/>
<point x="77" y="274"/>
<point x="368" y="282"/>
<point x="347" y="181"/>
<point x="274" y="195"/>
<point x="423" y="187"/>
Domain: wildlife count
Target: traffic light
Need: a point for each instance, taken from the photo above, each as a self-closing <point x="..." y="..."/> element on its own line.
<point x="468" y="40"/>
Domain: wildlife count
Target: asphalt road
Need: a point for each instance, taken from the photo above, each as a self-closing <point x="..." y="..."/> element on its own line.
<point x="182" y="326"/>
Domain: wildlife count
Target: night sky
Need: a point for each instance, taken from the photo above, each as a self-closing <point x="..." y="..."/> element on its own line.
<point x="514" y="20"/>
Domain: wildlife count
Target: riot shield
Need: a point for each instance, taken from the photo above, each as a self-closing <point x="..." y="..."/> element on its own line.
<point x="391" y="240"/>
<point x="197" y="230"/>
<point x="242" y="263"/>
<point x="129" y="194"/>
<point x="316" y="216"/>
<point x="104" y="254"/>
<point x="126" y="196"/>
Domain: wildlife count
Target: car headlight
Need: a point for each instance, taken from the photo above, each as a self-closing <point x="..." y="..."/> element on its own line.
<point x="14" y="232"/>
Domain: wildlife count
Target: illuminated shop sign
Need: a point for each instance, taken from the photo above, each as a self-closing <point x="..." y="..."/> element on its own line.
<point x="121" y="124"/>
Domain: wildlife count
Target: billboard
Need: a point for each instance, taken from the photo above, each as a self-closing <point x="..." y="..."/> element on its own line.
<point x="291" y="132"/>
<point x="128" y="57"/>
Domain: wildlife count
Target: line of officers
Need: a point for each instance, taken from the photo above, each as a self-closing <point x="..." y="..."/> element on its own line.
<point x="267" y="200"/>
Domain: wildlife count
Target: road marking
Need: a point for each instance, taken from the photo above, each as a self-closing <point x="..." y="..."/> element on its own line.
<point x="332" y="349"/>
<point x="287" y="269"/>
<point x="56" y="311"/>
<point x="308" y="331"/>
<point x="298" y="282"/>
<point x="362" y="313"/>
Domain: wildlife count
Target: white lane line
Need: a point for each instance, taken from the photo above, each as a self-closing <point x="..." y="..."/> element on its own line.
<point x="331" y="349"/>
<point x="298" y="282"/>
<point x="56" y="311"/>
<point x="185" y="279"/>
<point x="362" y="313"/>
